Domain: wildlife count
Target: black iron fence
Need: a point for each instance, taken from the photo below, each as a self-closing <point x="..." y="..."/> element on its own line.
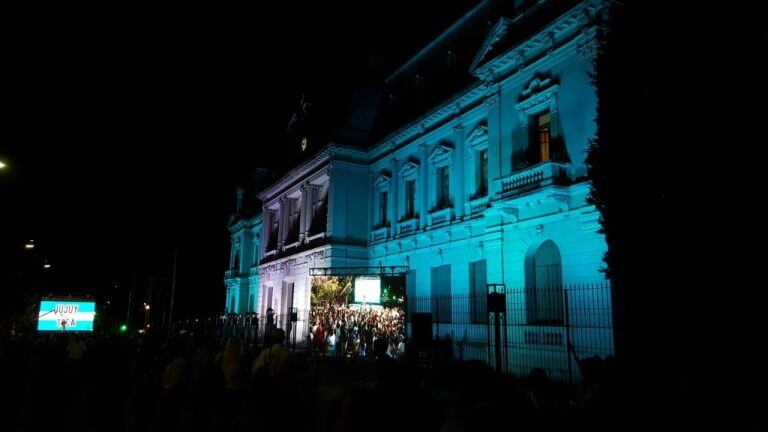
<point x="253" y="329"/>
<point x="543" y="327"/>
<point x="552" y="328"/>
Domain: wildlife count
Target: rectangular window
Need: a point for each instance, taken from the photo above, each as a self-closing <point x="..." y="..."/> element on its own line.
<point x="410" y="198"/>
<point x="543" y="124"/>
<point x="383" y="197"/>
<point x="478" y="310"/>
<point x="443" y="186"/>
<point x="441" y="294"/>
<point x="482" y="182"/>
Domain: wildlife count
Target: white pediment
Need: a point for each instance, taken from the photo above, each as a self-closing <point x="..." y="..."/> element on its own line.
<point x="478" y="136"/>
<point x="382" y="181"/>
<point x="537" y="91"/>
<point x="440" y="152"/>
<point x="498" y="32"/>
<point x="536" y="85"/>
<point x="409" y="168"/>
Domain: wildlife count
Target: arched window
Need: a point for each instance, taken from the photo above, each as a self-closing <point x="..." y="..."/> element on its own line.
<point x="543" y="284"/>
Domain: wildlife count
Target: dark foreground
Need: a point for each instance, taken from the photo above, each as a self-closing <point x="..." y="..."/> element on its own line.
<point x="141" y="383"/>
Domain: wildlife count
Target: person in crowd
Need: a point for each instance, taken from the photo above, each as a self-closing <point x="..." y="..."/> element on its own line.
<point x="231" y="367"/>
<point x="272" y="374"/>
<point x="319" y="338"/>
<point x="173" y="383"/>
<point x="331" y="339"/>
<point x="392" y="350"/>
<point x="362" y="345"/>
<point x="75" y="351"/>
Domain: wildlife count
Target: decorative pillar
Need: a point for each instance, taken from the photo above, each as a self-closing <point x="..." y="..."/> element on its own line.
<point x="423" y="185"/>
<point x="373" y="199"/>
<point x="460" y="170"/>
<point x="266" y="228"/>
<point x="281" y="224"/>
<point x="330" y="200"/>
<point x="394" y="194"/>
<point x="303" y="213"/>
<point x="491" y="103"/>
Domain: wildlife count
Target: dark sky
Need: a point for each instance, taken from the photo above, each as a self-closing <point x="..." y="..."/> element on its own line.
<point x="105" y="112"/>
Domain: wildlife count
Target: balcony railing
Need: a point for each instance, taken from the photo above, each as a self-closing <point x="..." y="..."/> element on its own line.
<point x="441" y="216"/>
<point x="477" y="205"/>
<point x="408" y="226"/>
<point x="231" y="274"/>
<point x="379" y="234"/>
<point x="542" y="174"/>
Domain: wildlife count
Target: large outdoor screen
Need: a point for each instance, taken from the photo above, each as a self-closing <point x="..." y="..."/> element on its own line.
<point x="368" y="290"/>
<point x="70" y="315"/>
<point x="358" y="317"/>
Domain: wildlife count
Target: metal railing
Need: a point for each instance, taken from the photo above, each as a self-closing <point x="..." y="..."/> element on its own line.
<point x="546" y="327"/>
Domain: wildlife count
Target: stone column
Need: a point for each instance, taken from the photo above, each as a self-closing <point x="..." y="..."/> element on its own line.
<point x="303" y="227"/>
<point x="330" y="199"/>
<point x="422" y="183"/>
<point x="460" y="170"/>
<point x="266" y="228"/>
<point x="394" y="195"/>
<point x="491" y="103"/>
<point x="373" y="199"/>
<point x="281" y="224"/>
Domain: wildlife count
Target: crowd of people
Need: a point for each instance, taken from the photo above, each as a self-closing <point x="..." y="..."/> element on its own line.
<point x="358" y="331"/>
<point x="107" y="381"/>
<point x="104" y="381"/>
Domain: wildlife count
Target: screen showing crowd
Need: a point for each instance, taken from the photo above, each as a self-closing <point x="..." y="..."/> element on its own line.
<point x="357" y="317"/>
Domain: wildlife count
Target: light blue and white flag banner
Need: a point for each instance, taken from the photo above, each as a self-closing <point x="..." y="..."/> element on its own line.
<point x="66" y="315"/>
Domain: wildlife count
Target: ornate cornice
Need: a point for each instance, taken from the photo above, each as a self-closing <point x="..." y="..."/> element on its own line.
<point x="568" y="27"/>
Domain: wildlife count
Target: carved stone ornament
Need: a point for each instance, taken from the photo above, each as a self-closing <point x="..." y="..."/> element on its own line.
<point x="478" y="135"/>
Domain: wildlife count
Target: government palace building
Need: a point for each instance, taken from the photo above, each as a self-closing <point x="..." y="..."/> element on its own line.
<point x="468" y="173"/>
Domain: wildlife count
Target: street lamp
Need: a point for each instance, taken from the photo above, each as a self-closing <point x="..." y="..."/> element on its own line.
<point x="2" y="165"/>
<point x="30" y="245"/>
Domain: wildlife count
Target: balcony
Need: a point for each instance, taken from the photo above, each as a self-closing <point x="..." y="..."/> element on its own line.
<point x="536" y="176"/>
<point x="476" y="205"/>
<point x="229" y="274"/>
<point x="408" y="226"/>
<point x="379" y="234"/>
<point x="444" y="215"/>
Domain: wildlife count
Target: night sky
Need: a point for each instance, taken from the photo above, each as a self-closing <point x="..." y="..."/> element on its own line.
<point x="108" y="114"/>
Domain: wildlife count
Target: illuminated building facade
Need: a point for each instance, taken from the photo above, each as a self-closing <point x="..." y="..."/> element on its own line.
<point x="486" y="185"/>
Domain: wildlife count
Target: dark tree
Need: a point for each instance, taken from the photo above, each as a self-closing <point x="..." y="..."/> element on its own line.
<point x="674" y="174"/>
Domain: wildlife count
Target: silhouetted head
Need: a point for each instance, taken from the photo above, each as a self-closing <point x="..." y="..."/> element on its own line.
<point x="278" y="336"/>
